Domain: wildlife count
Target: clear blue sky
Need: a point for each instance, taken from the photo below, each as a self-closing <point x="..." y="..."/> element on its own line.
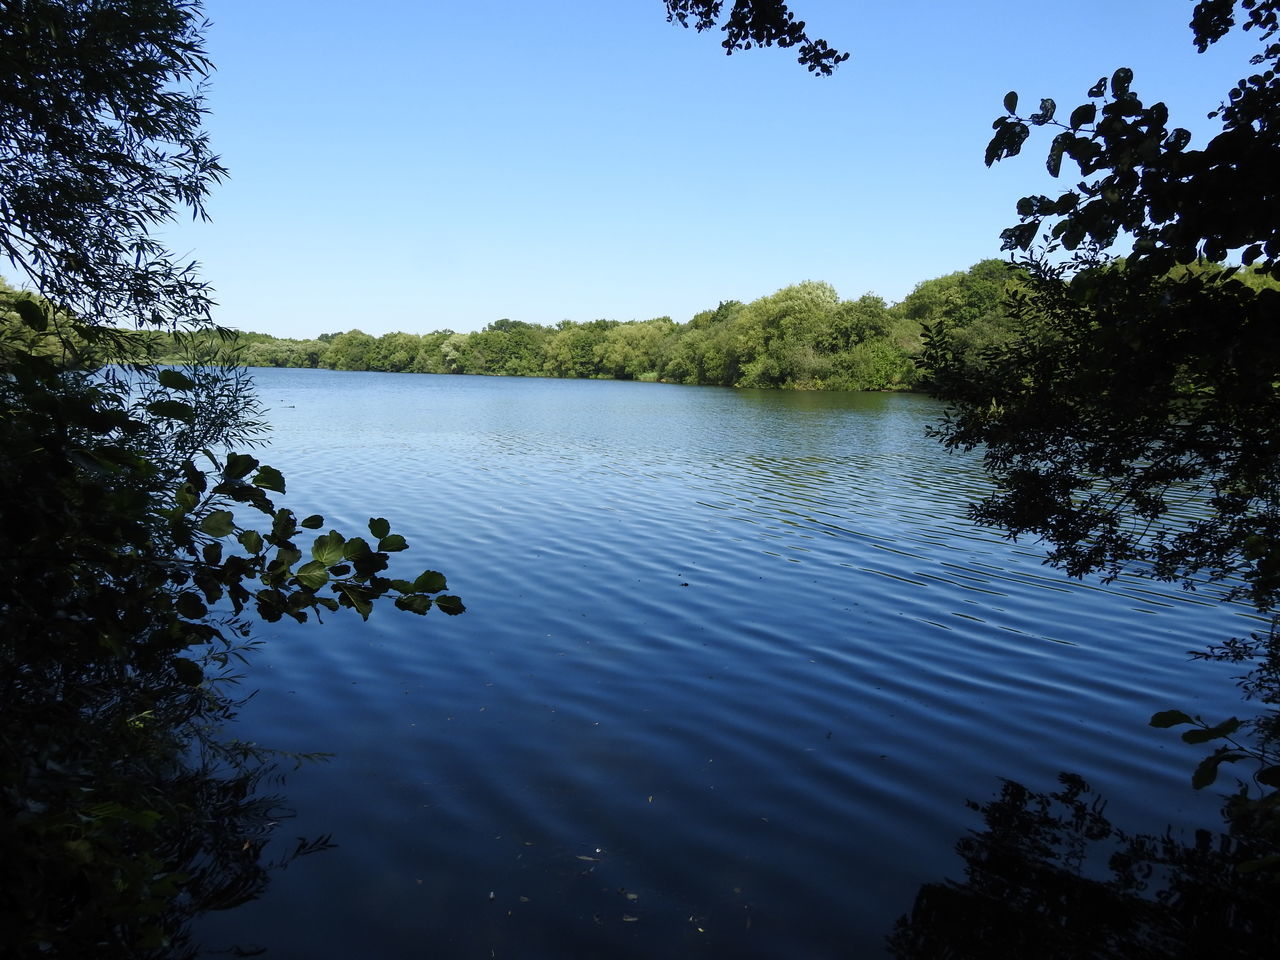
<point x="416" y="165"/>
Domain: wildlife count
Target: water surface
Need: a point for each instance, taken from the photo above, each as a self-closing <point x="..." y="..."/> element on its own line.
<point x="732" y="662"/>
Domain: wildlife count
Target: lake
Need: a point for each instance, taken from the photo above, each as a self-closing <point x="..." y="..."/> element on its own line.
<point x="731" y="665"/>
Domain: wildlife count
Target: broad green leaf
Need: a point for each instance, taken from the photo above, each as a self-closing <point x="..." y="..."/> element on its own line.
<point x="450" y="605"/>
<point x="238" y="466"/>
<point x="313" y="522"/>
<point x="415" y="604"/>
<point x="269" y="478"/>
<point x="219" y="523"/>
<point x="356" y="547"/>
<point x="1223" y="729"/>
<point x="430" y="582"/>
<point x="393" y="543"/>
<point x="313" y="575"/>
<point x="1169" y="718"/>
<point x="251" y="540"/>
<point x="328" y="549"/>
<point x="172" y="410"/>
<point x="379" y="527"/>
<point x="355" y="597"/>
<point x="175" y="380"/>
<point x="404" y="586"/>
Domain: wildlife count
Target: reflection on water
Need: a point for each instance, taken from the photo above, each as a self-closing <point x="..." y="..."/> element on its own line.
<point x="1051" y="877"/>
<point x="731" y="662"/>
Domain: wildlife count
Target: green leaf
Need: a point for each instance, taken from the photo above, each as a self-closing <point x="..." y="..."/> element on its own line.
<point x="1224" y="729"/>
<point x="238" y="466"/>
<point x="219" y="523"/>
<point x="379" y="527"/>
<point x="1011" y="102"/>
<point x="269" y="478"/>
<point x="31" y="314"/>
<point x="175" y="380"/>
<point x="251" y="540"/>
<point x="313" y="575"/>
<point x="404" y="586"/>
<point x="450" y="605"/>
<point x="172" y="410"/>
<point x="393" y="543"/>
<point x="357" y="598"/>
<point x="328" y="549"/>
<point x="313" y="522"/>
<point x="188" y="671"/>
<point x="415" y="604"/>
<point x="355" y="548"/>
<point x="430" y="582"/>
<point x="1169" y="718"/>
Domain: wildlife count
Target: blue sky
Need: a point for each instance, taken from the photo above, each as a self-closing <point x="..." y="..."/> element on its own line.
<point x="414" y="165"/>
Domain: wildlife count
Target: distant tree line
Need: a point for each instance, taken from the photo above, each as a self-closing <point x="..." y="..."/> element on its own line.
<point x="801" y="337"/>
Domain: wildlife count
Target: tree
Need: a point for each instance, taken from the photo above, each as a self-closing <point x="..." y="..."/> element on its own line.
<point x="130" y="568"/>
<point x="1132" y="421"/>
<point x="760" y="23"/>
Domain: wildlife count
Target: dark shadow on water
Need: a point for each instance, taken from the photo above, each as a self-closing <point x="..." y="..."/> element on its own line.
<point x="1049" y="876"/>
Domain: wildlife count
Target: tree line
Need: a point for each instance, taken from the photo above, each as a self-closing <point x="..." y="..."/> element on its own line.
<point x="801" y="337"/>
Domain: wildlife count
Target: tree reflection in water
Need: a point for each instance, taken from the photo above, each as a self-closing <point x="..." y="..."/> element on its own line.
<point x="1051" y="877"/>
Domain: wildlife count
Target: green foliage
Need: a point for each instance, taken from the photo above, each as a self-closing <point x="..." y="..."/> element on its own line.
<point x="1129" y="412"/>
<point x="138" y="546"/>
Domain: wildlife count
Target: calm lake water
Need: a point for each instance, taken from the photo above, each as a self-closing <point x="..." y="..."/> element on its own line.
<point x="732" y="663"/>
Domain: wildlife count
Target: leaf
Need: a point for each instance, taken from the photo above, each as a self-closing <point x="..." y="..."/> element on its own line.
<point x="1085" y="113"/>
<point x="1269" y="776"/>
<point x="355" y="548"/>
<point x="251" y="540"/>
<point x="1099" y="88"/>
<point x="1207" y="771"/>
<point x="269" y="478"/>
<point x="418" y="603"/>
<point x="393" y="543"/>
<point x="355" y="597"/>
<point x="379" y="527"/>
<point x="1224" y="729"/>
<point x="31" y="314"/>
<point x="1120" y="81"/>
<point x="431" y="581"/>
<point x="219" y="523"/>
<point x="313" y="522"/>
<point x="1048" y="108"/>
<point x="238" y="466"/>
<point x="188" y="671"/>
<point x="450" y="605"/>
<point x="175" y="380"/>
<point x="190" y="606"/>
<point x="328" y="549"/>
<point x="1169" y="718"/>
<point x="1011" y="102"/>
<point x="313" y="575"/>
<point x="172" y="410"/>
